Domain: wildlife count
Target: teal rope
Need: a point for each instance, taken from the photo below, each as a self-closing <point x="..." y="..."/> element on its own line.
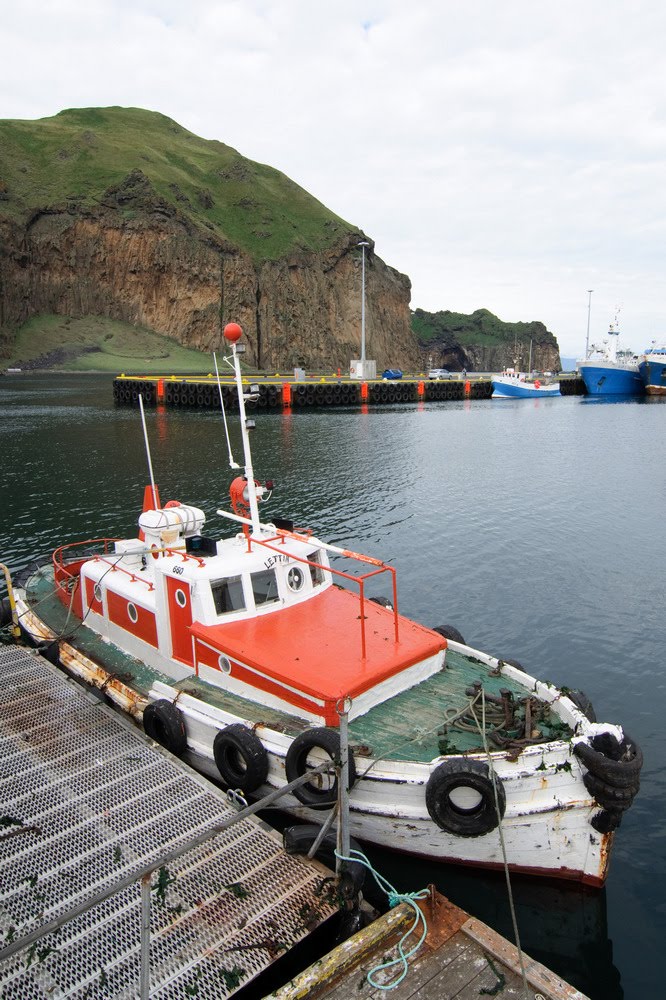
<point x="394" y="898"/>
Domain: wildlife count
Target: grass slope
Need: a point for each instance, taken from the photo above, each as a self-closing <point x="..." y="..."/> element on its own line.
<point x="96" y="343"/>
<point x="76" y="155"/>
<point x="480" y="328"/>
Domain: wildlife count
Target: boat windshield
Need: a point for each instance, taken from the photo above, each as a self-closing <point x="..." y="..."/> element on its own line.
<point x="228" y="595"/>
<point x="316" y="572"/>
<point x="264" y="587"/>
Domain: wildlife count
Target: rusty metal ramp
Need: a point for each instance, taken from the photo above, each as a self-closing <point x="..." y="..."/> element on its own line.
<point x="87" y="801"/>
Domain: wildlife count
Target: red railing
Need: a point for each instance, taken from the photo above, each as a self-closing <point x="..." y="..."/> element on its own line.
<point x="380" y="567"/>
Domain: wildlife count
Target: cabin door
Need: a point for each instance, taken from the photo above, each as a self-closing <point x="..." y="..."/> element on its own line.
<point x="180" y="618"/>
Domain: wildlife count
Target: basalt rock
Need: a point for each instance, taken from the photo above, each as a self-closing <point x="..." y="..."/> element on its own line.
<point x="139" y="258"/>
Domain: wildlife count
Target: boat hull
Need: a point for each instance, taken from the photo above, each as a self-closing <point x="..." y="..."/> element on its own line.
<point x="513" y="388"/>
<point x="611" y="380"/>
<point x="546" y="826"/>
<point x="653" y="375"/>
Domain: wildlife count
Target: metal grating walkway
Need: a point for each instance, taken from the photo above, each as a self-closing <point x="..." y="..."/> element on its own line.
<point x="86" y="799"/>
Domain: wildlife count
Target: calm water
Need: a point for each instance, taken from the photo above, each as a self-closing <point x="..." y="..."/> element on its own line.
<point x="535" y="527"/>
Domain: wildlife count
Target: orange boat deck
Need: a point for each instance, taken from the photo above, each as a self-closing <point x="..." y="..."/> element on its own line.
<point x="315" y="646"/>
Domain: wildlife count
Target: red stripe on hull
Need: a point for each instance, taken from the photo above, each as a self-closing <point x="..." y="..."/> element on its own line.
<point x="144" y="627"/>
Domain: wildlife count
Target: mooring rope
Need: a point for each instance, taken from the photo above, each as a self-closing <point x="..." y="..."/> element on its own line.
<point x="394" y="898"/>
<point x="495" y="779"/>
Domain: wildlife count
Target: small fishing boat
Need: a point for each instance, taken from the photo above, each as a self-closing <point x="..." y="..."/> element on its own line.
<point x="511" y="384"/>
<point x="652" y="368"/>
<point x="607" y="371"/>
<point x="246" y="653"/>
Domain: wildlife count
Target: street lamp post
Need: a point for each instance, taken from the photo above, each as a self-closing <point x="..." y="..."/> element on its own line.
<point x="363" y="244"/>
<point x="587" y="338"/>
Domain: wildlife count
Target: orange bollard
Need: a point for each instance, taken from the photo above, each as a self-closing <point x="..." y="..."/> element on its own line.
<point x="364" y="392"/>
<point x="468" y="388"/>
<point x="286" y="394"/>
<point x="160" y="390"/>
<point x="421" y="388"/>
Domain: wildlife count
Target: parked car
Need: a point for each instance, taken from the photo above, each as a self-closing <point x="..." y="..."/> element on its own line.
<point x="440" y="373"/>
<point x="392" y="373"/>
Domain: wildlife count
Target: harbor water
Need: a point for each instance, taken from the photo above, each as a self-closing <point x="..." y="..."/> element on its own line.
<point x="533" y="526"/>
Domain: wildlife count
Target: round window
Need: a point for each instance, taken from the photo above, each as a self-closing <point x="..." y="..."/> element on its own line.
<point x="224" y="664"/>
<point x="98" y="593"/>
<point x="132" y="613"/>
<point x="295" y="578"/>
<point x="181" y="598"/>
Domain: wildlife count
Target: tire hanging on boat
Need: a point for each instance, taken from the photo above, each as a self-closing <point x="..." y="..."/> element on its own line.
<point x="462" y="821"/>
<point x="449" y="632"/>
<point x="165" y="724"/>
<point x="240" y="757"/>
<point x="319" y="738"/>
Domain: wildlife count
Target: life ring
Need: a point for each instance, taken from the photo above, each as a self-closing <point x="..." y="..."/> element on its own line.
<point x="461" y="820"/>
<point x="165" y="724"/>
<point x="328" y="741"/>
<point x="240" y="757"/>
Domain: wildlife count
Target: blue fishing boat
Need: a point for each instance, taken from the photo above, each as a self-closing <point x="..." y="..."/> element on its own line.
<point x="652" y="368"/>
<point x="516" y="384"/>
<point x="607" y="371"/>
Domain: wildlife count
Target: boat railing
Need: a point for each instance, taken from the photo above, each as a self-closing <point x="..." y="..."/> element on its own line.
<point x="379" y="567"/>
<point x="66" y="569"/>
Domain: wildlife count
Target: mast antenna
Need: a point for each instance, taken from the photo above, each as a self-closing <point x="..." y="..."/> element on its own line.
<point x="232" y="464"/>
<point x="150" y="464"/>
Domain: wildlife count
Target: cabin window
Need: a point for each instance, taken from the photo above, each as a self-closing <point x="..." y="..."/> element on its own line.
<point x="97" y="593"/>
<point x="228" y="595"/>
<point x="264" y="587"/>
<point x="132" y="613"/>
<point x="295" y="578"/>
<point x="224" y="663"/>
<point x="316" y="572"/>
<point x="181" y="598"/>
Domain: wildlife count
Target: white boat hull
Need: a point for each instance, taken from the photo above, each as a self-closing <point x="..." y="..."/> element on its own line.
<point x="546" y="824"/>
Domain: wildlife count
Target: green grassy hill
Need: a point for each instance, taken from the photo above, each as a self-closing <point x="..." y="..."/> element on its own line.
<point x="95" y="343"/>
<point x="78" y="154"/>
<point x="479" y="328"/>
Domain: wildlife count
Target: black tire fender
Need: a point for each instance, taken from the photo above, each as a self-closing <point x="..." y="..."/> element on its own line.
<point x="321" y="738"/>
<point x="164" y="723"/>
<point x="460" y="772"/>
<point x="583" y="703"/>
<point x="609" y="796"/>
<point x="616" y="764"/>
<point x="299" y="839"/>
<point x="240" y="757"/>
<point x="450" y="632"/>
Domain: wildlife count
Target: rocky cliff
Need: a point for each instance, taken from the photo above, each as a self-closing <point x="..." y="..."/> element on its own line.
<point x="158" y="270"/>
<point x="232" y="240"/>
<point x="481" y="342"/>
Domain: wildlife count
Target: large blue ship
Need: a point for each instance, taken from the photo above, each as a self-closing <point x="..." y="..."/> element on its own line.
<point x="652" y="368"/>
<point x="609" y="372"/>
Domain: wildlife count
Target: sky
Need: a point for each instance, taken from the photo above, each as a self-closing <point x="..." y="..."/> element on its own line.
<point x="504" y="154"/>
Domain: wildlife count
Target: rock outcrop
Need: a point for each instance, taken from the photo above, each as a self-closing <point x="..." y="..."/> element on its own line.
<point x="138" y="258"/>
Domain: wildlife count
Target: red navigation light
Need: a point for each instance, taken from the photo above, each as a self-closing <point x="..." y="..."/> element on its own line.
<point x="233" y="332"/>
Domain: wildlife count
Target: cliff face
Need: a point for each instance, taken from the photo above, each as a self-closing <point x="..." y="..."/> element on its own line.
<point x="137" y="258"/>
<point x="481" y="342"/>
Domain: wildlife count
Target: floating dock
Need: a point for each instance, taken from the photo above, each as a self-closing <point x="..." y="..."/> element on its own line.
<point x="87" y="803"/>
<point x="201" y="391"/>
<point x="461" y="959"/>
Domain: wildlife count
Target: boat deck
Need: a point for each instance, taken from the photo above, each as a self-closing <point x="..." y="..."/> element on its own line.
<point x="87" y="802"/>
<point x="415" y="729"/>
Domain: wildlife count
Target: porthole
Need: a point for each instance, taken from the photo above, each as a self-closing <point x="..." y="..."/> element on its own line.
<point x="224" y="663"/>
<point x="132" y="613"/>
<point x="295" y="578"/>
<point x="97" y="592"/>
<point x="181" y="598"/>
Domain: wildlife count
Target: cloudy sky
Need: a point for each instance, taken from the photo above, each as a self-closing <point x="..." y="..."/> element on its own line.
<point x="506" y="154"/>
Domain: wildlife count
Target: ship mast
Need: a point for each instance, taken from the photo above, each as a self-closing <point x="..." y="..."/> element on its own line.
<point x="233" y="333"/>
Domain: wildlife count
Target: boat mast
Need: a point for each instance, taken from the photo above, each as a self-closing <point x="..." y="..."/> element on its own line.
<point x="233" y="333"/>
